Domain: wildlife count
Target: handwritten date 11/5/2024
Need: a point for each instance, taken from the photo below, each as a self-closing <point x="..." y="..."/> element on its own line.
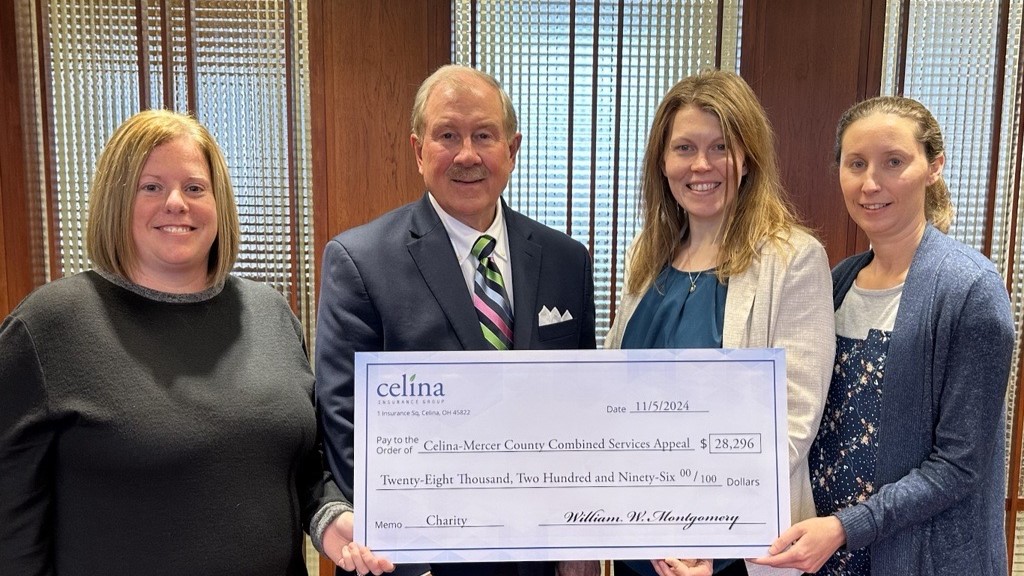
<point x="642" y="406"/>
<point x="716" y="442"/>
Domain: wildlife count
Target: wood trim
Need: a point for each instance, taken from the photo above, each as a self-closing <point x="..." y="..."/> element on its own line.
<point x="294" y="266"/>
<point x="317" y="144"/>
<point x="191" y="75"/>
<point x="49" y="150"/>
<point x="594" y="82"/>
<point x="616" y="164"/>
<point x="616" y="138"/>
<point x="719" y="26"/>
<point x="1016" y="185"/>
<point x="1017" y="182"/>
<point x="1015" y="503"/>
<point x="166" y="50"/>
<point x="141" y="37"/>
<point x="999" y="75"/>
<point x="8" y="179"/>
<point x="902" y="39"/>
<point x="570" y="127"/>
<point x="474" y="10"/>
<point x="318" y="130"/>
<point x="16" y="278"/>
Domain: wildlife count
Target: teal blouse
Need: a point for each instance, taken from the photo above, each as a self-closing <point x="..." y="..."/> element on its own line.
<point x="679" y="310"/>
<point x="671" y="315"/>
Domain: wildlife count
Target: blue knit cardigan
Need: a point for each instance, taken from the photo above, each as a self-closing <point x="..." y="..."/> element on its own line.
<point x="939" y="507"/>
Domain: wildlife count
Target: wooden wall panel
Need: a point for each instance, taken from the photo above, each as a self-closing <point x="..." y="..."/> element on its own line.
<point x="367" y="59"/>
<point x="16" y="277"/>
<point x="808" y="61"/>
<point x="5" y="303"/>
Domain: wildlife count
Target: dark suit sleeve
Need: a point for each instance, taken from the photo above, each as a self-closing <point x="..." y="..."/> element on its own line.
<point x="347" y="322"/>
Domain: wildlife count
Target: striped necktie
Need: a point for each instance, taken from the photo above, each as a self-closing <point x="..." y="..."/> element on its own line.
<point x="490" y="298"/>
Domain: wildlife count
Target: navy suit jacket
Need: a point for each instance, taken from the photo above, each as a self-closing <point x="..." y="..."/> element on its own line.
<point x="395" y="284"/>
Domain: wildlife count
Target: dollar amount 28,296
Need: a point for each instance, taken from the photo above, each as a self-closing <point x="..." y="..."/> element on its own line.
<point x="732" y="443"/>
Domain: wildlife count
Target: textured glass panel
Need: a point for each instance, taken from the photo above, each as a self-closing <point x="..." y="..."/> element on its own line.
<point x="302" y="167"/>
<point x="241" y="94"/>
<point x="890" y="63"/>
<point x="732" y="32"/>
<point x="949" y="69"/>
<point x="1004" y="242"/>
<point x="174" y="28"/>
<point x="1008" y="239"/>
<point x="32" y="130"/>
<point x="95" y="87"/>
<point x="586" y="86"/>
<point x="1017" y="559"/>
<point x="154" y="34"/>
<point x="240" y="74"/>
<point x="950" y="51"/>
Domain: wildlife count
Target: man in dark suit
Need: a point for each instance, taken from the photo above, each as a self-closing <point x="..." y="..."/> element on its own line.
<point x="409" y="279"/>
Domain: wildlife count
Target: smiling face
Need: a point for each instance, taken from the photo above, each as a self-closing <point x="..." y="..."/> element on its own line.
<point x="701" y="172"/>
<point x="464" y="155"/>
<point x="883" y="171"/>
<point x="174" y="219"/>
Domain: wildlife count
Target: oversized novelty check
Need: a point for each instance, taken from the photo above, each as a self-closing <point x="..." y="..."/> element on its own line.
<point x="559" y="455"/>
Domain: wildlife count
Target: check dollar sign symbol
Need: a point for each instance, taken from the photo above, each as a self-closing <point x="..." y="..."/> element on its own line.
<point x="703" y="444"/>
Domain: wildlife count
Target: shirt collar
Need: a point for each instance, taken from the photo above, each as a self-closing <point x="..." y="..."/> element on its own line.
<point x="463" y="237"/>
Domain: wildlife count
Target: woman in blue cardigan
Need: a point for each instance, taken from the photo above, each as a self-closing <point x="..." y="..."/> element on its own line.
<point x="907" y="468"/>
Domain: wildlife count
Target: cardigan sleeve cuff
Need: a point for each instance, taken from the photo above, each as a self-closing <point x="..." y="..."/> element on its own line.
<point x="322" y="519"/>
<point x="859" y="525"/>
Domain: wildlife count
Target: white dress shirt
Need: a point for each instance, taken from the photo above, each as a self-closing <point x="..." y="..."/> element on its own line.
<point x="463" y="237"/>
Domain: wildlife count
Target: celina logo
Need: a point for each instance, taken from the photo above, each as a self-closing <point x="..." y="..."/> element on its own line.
<point x="409" y="387"/>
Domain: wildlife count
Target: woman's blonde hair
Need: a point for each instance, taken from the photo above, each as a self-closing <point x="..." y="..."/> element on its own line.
<point x="109" y="240"/>
<point x="760" y="212"/>
<point x="938" y="208"/>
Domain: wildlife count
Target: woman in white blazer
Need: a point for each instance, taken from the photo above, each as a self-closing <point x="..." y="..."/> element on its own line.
<point x="721" y="261"/>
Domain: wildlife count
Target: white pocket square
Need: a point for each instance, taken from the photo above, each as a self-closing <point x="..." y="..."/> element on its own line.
<point x="552" y="316"/>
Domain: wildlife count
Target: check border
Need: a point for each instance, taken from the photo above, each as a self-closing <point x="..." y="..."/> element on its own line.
<point x="367" y="362"/>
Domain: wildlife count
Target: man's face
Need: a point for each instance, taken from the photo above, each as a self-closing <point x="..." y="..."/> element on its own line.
<point x="465" y="156"/>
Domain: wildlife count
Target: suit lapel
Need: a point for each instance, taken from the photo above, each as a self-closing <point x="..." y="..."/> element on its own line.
<point x="526" y="257"/>
<point x="431" y="249"/>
